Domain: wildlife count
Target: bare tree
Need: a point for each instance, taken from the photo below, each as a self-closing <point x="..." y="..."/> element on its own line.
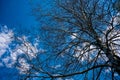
<point x="116" y="5"/>
<point x="82" y="42"/>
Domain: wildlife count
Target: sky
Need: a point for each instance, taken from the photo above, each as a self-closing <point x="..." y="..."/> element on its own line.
<point x="16" y="18"/>
<point x="16" y="14"/>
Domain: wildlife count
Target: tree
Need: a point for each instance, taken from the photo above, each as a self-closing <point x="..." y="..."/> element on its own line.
<point x="81" y="41"/>
<point x="117" y="5"/>
<point x="84" y="36"/>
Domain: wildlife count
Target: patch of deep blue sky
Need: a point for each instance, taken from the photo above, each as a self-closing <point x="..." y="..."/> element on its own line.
<point x="17" y="14"/>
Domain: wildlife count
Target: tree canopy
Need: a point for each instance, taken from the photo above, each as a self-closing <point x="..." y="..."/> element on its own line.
<point x="78" y="40"/>
<point x="84" y="37"/>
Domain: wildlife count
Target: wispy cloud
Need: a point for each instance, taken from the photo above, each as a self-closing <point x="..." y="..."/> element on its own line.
<point x="21" y="53"/>
<point x="5" y="39"/>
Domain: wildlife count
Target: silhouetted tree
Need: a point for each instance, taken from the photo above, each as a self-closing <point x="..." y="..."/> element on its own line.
<point x="82" y="41"/>
<point x="117" y="5"/>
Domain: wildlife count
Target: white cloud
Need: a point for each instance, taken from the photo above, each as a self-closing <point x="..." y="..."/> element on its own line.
<point x="85" y="54"/>
<point x="74" y="35"/>
<point x="7" y="62"/>
<point x="24" y="66"/>
<point x="69" y="79"/>
<point x="117" y="19"/>
<point x="56" y="66"/>
<point x="6" y="37"/>
<point x="25" y="48"/>
<point x="28" y="50"/>
<point x="5" y="40"/>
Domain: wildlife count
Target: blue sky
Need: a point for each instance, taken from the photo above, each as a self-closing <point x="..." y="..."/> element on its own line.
<point x="16" y="13"/>
<point x="16" y="16"/>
